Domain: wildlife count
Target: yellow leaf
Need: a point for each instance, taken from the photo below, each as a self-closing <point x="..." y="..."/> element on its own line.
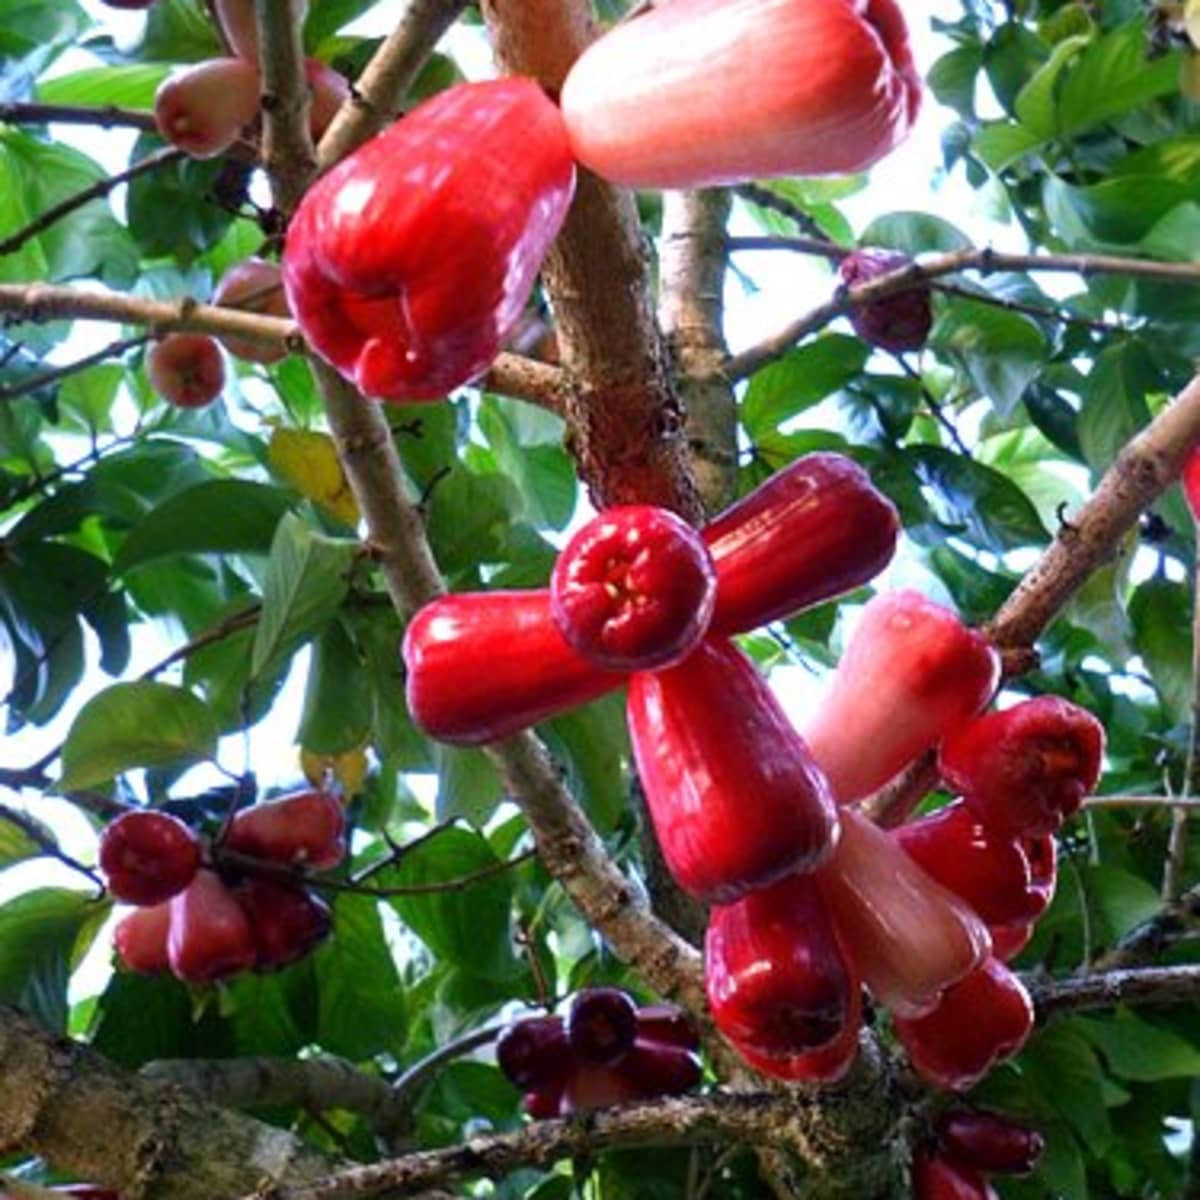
<point x="349" y="768"/>
<point x="309" y="462"/>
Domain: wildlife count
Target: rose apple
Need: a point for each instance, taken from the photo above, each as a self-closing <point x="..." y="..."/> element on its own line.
<point x="209" y="937"/>
<point x="240" y="26"/>
<point x="900" y="322"/>
<point x="140" y="939"/>
<point x="667" y="1024"/>
<point x="287" y="921"/>
<point x="147" y="856"/>
<point x="601" y="1025"/>
<point x="1190" y="481"/>
<point x="307" y="828"/>
<point x="330" y="91"/>
<point x="202" y="108"/>
<point x="936" y="1179"/>
<point x="634" y="588"/>
<point x="912" y="673"/>
<point x="534" y="1053"/>
<point x="985" y="1141"/>
<point x="408" y="264"/>
<point x="253" y="285"/>
<point x="699" y="92"/>
<point x="186" y="369"/>
<point x="531" y="671"/>
<point x="736" y="799"/>
<point x="813" y="530"/>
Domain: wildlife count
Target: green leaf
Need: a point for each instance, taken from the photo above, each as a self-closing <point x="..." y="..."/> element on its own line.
<point x="15" y="844"/>
<point x="131" y="86"/>
<point x="593" y="744"/>
<point x="337" y="701"/>
<point x="42" y="934"/>
<point x="1135" y="1049"/>
<point x="1062" y="1067"/>
<point x="128" y="725"/>
<point x="173" y="211"/>
<point x="469" y="518"/>
<point x="306" y="579"/>
<point x="914" y="233"/>
<point x="800" y="379"/>
<point x="1114" y="405"/>
<point x="1162" y="634"/>
<point x="468" y="785"/>
<point x="222" y="516"/>
<point x="469" y="926"/>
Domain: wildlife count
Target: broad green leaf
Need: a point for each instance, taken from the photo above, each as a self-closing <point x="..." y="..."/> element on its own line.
<point x="129" y="725"/>
<point x="1162" y="635"/>
<point x="337" y="701"/>
<point x="800" y="379"/>
<point x="15" y="844"/>
<point x="306" y="580"/>
<point x="1063" y="1067"/>
<point x="222" y="516"/>
<point x="1135" y="1049"/>
<point x="468" y="785"/>
<point x="131" y="86"/>
<point x="593" y="744"/>
<point x="1114" y="405"/>
<point x="914" y="233"/>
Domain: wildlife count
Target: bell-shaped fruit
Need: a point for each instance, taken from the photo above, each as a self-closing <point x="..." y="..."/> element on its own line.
<point x="202" y="108"/>
<point x="985" y="1141"/>
<point x="667" y="1024"/>
<point x="253" y="285"/>
<point x="408" y="265"/>
<point x="307" y="828"/>
<point x="1026" y="769"/>
<point x="593" y="1085"/>
<point x="633" y="589"/>
<point x="661" y="1069"/>
<point x="912" y="672"/>
<point x="812" y="531"/>
<point x="288" y="921"/>
<point x="907" y="936"/>
<point x="989" y="870"/>
<point x="601" y="1025"/>
<point x="698" y="92"/>
<point x="544" y="1103"/>
<point x="210" y="937"/>
<point x="1009" y="940"/>
<point x="775" y="976"/>
<point x="240" y="27"/>
<point x="736" y="799"/>
<point x="148" y="856"/>
<point x="899" y="322"/>
<point x="534" y="1054"/>
<point x="140" y="939"/>
<point x="980" y="1021"/>
<point x="483" y="665"/>
<point x="186" y="369"/>
<point x="934" y="1178"/>
<point x="330" y="91"/>
<point x="825" y="1065"/>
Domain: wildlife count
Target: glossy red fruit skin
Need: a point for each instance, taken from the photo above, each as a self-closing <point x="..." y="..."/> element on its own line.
<point x="667" y="1024"/>
<point x="148" y="856"/>
<point x="408" y="264"/>
<point x="544" y="1103"/>
<point x="988" y="870"/>
<point x="593" y="1085"/>
<point x="186" y="369"/>
<point x="87" y="1191"/>
<point x="904" y="934"/>
<point x="330" y="90"/>
<point x="660" y="1069"/>
<point x="1190" y="482"/>
<point x="287" y="921"/>
<point x="1009" y="940"/>
<point x="736" y="799"/>
<point x="806" y="89"/>
<point x="775" y="976"/>
<point x="209" y="938"/>
<point x="634" y="589"/>
<point x="532" y="673"/>
<point x="911" y="673"/>
<point x="307" y="828"/>
<point x="140" y="939"/>
<point x="601" y="1025"/>
<point x="812" y="531"/>
<point x="900" y="322"/>
<point x="1024" y="770"/>
<point x="826" y="1065"/>
<point x="253" y="285"/>
<point x="202" y="108"/>
<point x="982" y="1020"/>
<point x="534" y="1054"/>
<point x="984" y="1141"/>
<point x="936" y="1179"/>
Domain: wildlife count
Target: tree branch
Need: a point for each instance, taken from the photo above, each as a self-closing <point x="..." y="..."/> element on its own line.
<point x="287" y="148"/>
<point x="1144" y="987"/>
<point x="47" y="842"/>
<point x="109" y="116"/>
<point x="34" y="382"/>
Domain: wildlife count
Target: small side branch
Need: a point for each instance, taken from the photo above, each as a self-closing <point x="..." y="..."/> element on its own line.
<point x="1103" y="989"/>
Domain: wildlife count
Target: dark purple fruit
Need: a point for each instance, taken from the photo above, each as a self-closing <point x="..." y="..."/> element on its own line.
<point x="534" y="1053"/>
<point x="899" y="322"/>
<point x="601" y="1025"/>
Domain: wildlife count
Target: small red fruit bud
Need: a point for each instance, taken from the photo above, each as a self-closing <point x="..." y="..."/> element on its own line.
<point x="634" y="589"/>
<point x="531" y="671"/>
<point x="287" y="921"/>
<point x="911" y="673"/>
<point x="203" y="108"/>
<point x="667" y="1024"/>
<point x="544" y="1103"/>
<point x="592" y="1085"/>
<point x="936" y="1179"/>
<point x="988" y="870"/>
<point x="253" y="285"/>
<point x="330" y="91"/>
<point x="907" y="936"/>
<point x="736" y="799"/>
<point x="534" y="1054"/>
<point x="1028" y="768"/>
<point x="1009" y="940"/>
<point x="140" y="939"/>
<point x="658" y="1069"/>
<point x="409" y="263"/>
<point x="307" y="828"/>
<point x="984" y="1141"/>
<point x="147" y="857"/>
<point x="209" y="938"/>
<point x="810" y="532"/>
<point x="775" y="976"/>
<point x="601" y="1025"/>
<point x="898" y="322"/>
<point x="980" y="1021"/>
<point x="186" y="369"/>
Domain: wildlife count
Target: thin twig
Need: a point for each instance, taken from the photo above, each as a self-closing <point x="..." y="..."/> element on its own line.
<point x="108" y="116"/>
<point x="112" y="350"/>
<point x="45" y="840"/>
<point x="1173" y="864"/>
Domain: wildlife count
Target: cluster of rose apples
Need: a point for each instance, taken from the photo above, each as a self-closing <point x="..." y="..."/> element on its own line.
<point x="409" y="264"/>
<point x="968" y="1145"/>
<point x="810" y="899"/>
<point x="206" y="912"/>
<point x="607" y="1050"/>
